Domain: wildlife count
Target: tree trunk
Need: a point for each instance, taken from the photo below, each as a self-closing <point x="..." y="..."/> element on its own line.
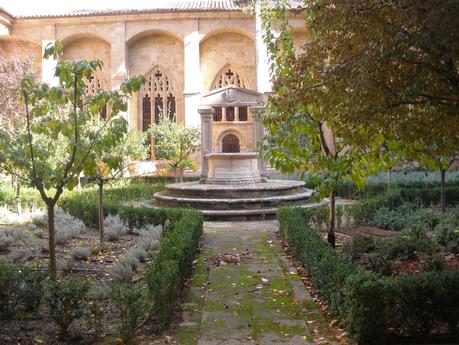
<point x="331" y="220"/>
<point x="177" y="174"/>
<point x="18" y="201"/>
<point x="51" y="240"/>
<point x="182" y="171"/>
<point x="442" y="190"/>
<point x="101" y="216"/>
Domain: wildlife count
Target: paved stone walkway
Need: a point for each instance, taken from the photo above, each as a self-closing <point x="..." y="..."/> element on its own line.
<point x="260" y="301"/>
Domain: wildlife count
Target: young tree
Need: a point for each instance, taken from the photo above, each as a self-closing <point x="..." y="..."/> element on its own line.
<point x="61" y="138"/>
<point x="436" y="157"/>
<point x="114" y="163"/>
<point x="299" y="135"/>
<point x="175" y="143"/>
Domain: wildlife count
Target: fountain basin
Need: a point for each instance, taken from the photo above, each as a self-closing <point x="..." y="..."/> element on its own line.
<point x="232" y="168"/>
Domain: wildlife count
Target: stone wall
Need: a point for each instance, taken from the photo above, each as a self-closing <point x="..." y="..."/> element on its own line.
<point x="90" y="48"/>
<point x="24" y="50"/>
<point x="132" y="44"/>
<point x="227" y="48"/>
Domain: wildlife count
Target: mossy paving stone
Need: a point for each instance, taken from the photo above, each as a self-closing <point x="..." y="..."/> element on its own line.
<point x="258" y="301"/>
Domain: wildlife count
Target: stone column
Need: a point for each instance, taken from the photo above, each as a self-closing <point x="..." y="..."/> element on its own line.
<point x="118" y="73"/>
<point x="207" y="118"/>
<point x="193" y="79"/>
<point x="258" y="136"/>
<point x="48" y="66"/>
<point x="6" y="20"/>
<point x="4" y="30"/>
<point x="118" y="69"/>
<point x="262" y="57"/>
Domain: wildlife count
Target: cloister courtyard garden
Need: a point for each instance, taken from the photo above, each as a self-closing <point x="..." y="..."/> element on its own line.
<point x="323" y="209"/>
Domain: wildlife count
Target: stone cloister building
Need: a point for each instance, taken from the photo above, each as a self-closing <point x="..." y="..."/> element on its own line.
<point x="184" y="49"/>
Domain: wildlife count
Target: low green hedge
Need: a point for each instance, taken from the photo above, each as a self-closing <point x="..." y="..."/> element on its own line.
<point x="28" y="197"/>
<point x="165" y="277"/>
<point x="431" y="196"/>
<point x="372" y="308"/>
<point x="173" y="265"/>
<point x="85" y="207"/>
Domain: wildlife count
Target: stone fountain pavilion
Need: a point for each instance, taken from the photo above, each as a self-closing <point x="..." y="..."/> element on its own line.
<point x="234" y="185"/>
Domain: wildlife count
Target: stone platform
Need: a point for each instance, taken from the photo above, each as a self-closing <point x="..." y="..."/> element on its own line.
<point x="235" y="202"/>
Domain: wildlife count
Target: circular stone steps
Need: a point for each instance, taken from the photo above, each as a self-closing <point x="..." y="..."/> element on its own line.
<point x="235" y="202"/>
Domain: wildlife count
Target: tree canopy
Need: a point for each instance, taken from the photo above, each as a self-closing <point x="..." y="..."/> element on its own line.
<point x="390" y="69"/>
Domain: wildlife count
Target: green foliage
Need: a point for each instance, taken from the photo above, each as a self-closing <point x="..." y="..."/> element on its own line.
<point x="397" y="219"/>
<point x="130" y="302"/>
<point x="65" y="299"/>
<point x="360" y="244"/>
<point x="21" y="290"/>
<point x="29" y="289"/>
<point x="81" y="253"/>
<point x="364" y="210"/>
<point x="174" y="142"/>
<point x="173" y="264"/>
<point x="7" y="285"/>
<point x="371" y="307"/>
<point x="447" y="233"/>
<point x="85" y="207"/>
<point x="28" y="198"/>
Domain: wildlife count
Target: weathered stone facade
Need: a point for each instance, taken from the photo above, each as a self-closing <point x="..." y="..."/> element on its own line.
<point x="188" y="49"/>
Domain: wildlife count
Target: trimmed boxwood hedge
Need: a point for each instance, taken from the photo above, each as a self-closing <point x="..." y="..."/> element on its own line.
<point x="173" y="265"/>
<point x="372" y="308"/>
<point x="174" y="262"/>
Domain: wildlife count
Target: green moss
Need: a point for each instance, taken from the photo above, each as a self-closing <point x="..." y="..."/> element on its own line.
<point x="186" y="339"/>
<point x="213" y="306"/>
<point x="199" y="280"/>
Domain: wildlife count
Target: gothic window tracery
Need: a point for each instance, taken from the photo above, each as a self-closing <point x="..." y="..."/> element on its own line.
<point x="162" y="94"/>
<point x="93" y="85"/>
<point x="228" y="76"/>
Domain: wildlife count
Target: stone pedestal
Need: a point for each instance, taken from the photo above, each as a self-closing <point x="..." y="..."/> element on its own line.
<point x="207" y="117"/>
<point x="258" y="135"/>
<point x="232" y="168"/>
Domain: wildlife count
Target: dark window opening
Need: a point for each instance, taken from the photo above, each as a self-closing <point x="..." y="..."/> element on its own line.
<point x="230" y="144"/>
<point x="158" y="108"/>
<point x="146" y="113"/>
<point x="171" y="107"/>
<point x="218" y="114"/>
<point x="103" y="113"/>
<point x="243" y="114"/>
<point x="230" y="114"/>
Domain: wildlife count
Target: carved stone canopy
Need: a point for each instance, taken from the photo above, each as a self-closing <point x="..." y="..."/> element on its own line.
<point x="232" y="96"/>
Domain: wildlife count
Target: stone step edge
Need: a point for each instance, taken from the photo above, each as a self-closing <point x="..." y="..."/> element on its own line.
<point x="259" y="211"/>
<point x="278" y="198"/>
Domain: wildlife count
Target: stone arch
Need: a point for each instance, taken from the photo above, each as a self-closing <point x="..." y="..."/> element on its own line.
<point x="234" y="133"/>
<point x="150" y="50"/>
<point x="231" y="144"/>
<point x="21" y="48"/>
<point x="88" y="47"/>
<point x="230" y="74"/>
<point x="228" y="29"/>
<point x="223" y="48"/>
<point x="67" y="40"/>
<point x="152" y="32"/>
